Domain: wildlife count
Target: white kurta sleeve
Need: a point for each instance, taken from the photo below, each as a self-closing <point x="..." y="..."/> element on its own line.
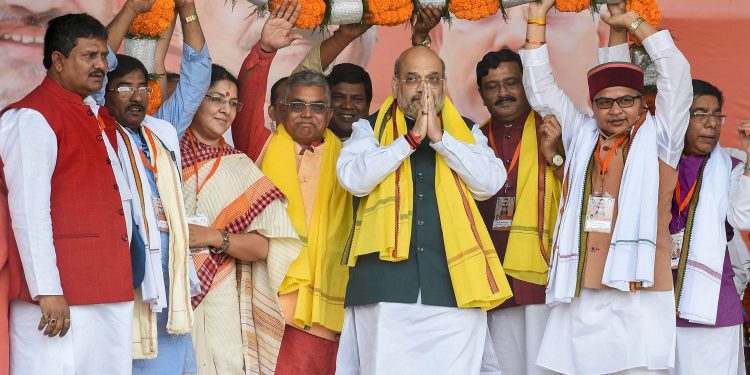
<point x="28" y="148"/>
<point x="476" y="164"/>
<point x="619" y="53"/>
<point x="363" y="163"/>
<point x="546" y="97"/>
<point x="674" y="96"/>
<point x="738" y="215"/>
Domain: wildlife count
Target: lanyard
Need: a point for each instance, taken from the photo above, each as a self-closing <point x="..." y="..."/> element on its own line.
<point x="152" y="167"/>
<point x="682" y="204"/>
<point x="199" y="187"/>
<point x="605" y="165"/>
<point x="494" y="148"/>
<point x="102" y="125"/>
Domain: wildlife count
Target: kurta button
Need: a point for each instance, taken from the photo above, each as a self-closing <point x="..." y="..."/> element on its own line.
<point x="420" y="249"/>
<point x="109" y="161"/>
<point x="507" y="161"/>
<point x="116" y="187"/>
<point x="420" y="196"/>
<point x="420" y="222"/>
<point x="419" y="175"/>
<point x="121" y="212"/>
<point x="99" y="138"/>
<point x="507" y="136"/>
<point x="90" y="112"/>
<point x="124" y="237"/>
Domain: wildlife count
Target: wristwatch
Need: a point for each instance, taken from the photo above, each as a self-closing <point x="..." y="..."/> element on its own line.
<point x="634" y="26"/>
<point x="224" y="244"/>
<point x="557" y="161"/>
<point x="425" y="43"/>
<point x="191" y="18"/>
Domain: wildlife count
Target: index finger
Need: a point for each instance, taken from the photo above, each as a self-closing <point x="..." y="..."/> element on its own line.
<point x="277" y="10"/>
<point x="435" y="12"/>
<point x="292" y="11"/>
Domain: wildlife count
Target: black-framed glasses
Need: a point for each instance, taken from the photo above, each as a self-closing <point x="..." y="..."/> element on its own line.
<point x="703" y="117"/>
<point x="624" y="101"/>
<point x="412" y="81"/>
<point x="300" y="106"/>
<point x="219" y="100"/>
<point x="125" y="90"/>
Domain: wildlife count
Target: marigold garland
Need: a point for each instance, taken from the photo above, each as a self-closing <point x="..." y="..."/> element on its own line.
<point x="154" y="98"/>
<point x="155" y="22"/>
<point x="311" y="15"/>
<point x="473" y="9"/>
<point x="574" y="6"/>
<point x="648" y="9"/>
<point x="388" y="12"/>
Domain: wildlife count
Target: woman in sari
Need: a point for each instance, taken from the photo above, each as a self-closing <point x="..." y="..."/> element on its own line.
<point x="241" y="238"/>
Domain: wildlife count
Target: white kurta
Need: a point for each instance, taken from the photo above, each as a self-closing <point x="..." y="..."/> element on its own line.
<point x="516" y="334"/>
<point x="411" y="339"/>
<point x="396" y="338"/>
<point x="100" y="335"/>
<point x="710" y="350"/>
<point x="605" y="331"/>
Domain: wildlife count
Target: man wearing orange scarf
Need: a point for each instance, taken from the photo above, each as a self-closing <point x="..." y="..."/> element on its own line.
<point x="422" y="266"/>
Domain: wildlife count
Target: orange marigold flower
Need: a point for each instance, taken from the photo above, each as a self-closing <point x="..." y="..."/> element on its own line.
<point x="154" y="99"/>
<point x="388" y="12"/>
<point x="473" y="9"/>
<point x="311" y="14"/>
<point x="155" y="22"/>
<point x="572" y="5"/>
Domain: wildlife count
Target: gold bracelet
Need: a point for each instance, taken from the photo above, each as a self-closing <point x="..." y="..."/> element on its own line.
<point x="537" y="21"/>
<point x="536" y="42"/>
<point x="191" y="18"/>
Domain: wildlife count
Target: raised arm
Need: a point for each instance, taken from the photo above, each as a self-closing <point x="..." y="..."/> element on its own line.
<point x="248" y="130"/>
<point x="120" y="25"/>
<point x="739" y="188"/>
<point x="617" y="49"/>
<point x="674" y="84"/>
<point x="321" y="57"/>
<point x="539" y="82"/>
<point x="195" y="72"/>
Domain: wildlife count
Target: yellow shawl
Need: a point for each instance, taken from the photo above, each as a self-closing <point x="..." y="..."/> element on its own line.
<point x="527" y="254"/>
<point x="317" y="273"/>
<point x="386" y="214"/>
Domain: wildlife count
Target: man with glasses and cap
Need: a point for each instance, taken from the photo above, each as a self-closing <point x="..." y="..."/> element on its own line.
<point x="610" y="285"/>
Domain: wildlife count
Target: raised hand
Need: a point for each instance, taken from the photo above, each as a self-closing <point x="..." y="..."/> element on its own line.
<point x="541" y="8"/>
<point x="434" y="132"/>
<point x="621" y="20"/>
<point x="425" y="20"/>
<point x="744" y="130"/>
<point x="179" y="4"/>
<point x="141" y="6"/>
<point x="348" y="33"/>
<point x="277" y="31"/>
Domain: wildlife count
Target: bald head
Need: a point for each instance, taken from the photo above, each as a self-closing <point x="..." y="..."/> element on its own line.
<point x="417" y="69"/>
<point x="418" y="55"/>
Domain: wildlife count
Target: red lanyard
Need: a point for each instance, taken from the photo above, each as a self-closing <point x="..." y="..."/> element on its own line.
<point x="198" y="186"/>
<point x="681" y="204"/>
<point x="608" y="158"/>
<point x="494" y="148"/>
<point x="152" y="167"/>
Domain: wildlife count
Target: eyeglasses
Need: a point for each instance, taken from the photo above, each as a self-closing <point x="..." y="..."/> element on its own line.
<point x="125" y="90"/>
<point x="218" y="100"/>
<point x="414" y="81"/>
<point x="299" y="107"/>
<point x="624" y="101"/>
<point x="703" y="117"/>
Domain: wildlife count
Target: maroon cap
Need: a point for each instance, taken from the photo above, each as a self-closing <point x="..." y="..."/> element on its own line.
<point x="615" y="74"/>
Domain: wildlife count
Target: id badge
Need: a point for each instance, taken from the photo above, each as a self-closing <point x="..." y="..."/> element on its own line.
<point x="504" y="209"/>
<point x="201" y="220"/>
<point x="161" y="215"/>
<point x="677" y="239"/>
<point x="599" y="213"/>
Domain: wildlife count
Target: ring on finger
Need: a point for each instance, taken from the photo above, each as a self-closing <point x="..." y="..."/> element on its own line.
<point x="45" y="316"/>
<point x="52" y="321"/>
<point x="66" y="320"/>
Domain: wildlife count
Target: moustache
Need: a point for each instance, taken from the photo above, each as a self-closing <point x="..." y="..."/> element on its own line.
<point x="504" y="99"/>
<point x="97" y="73"/>
<point x="136" y="106"/>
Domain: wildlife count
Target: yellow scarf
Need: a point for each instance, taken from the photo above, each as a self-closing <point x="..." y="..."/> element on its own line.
<point x="526" y="255"/>
<point x="386" y="214"/>
<point x="180" y="312"/>
<point x="317" y="273"/>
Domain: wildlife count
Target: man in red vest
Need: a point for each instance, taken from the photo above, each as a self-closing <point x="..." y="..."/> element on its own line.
<point x="71" y="279"/>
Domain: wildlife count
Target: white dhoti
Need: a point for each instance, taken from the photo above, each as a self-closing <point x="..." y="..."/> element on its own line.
<point x="516" y="334"/>
<point x="405" y="339"/>
<point x="710" y="350"/>
<point x="98" y="342"/>
<point x="606" y="331"/>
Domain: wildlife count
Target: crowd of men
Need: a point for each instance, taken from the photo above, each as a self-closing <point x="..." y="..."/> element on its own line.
<point x="336" y="240"/>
